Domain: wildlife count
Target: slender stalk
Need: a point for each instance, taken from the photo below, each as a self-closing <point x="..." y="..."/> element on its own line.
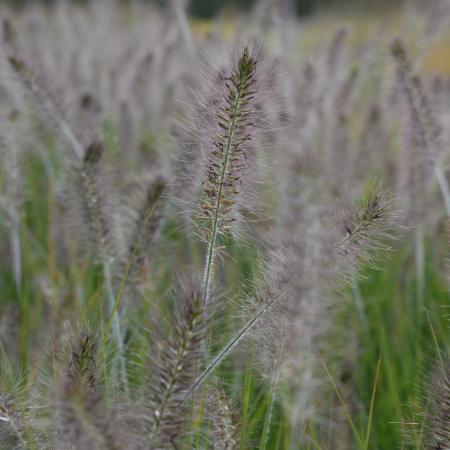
<point x="442" y="181"/>
<point x="343" y="404"/>
<point x="231" y="344"/>
<point x="269" y="413"/>
<point x="359" y="302"/>
<point x="211" y="253"/>
<point x="116" y="332"/>
<point x="372" y="405"/>
<point x="16" y="252"/>
<point x="420" y="264"/>
<point x="180" y="14"/>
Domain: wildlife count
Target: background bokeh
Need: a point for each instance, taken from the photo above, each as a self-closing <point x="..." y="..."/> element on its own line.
<point x="209" y="8"/>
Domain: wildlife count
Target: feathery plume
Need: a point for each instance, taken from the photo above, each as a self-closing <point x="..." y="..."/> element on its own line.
<point x="367" y="225"/>
<point x="81" y="369"/>
<point x="100" y="236"/>
<point x="226" y="165"/>
<point x="45" y="105"/>
<point x="145" y="228"/>
<point x="94" y="205"/>
<point x="174" y="368"/>
<point x="421" y="108"/>
<point x="85" y="421"/>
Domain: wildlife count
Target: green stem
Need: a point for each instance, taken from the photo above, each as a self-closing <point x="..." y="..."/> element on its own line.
<point x="212" y="243"/>
<point x="231" y="344"/>
<point x="16" y="251"/>
<point x="112" y="310"/>
<point x="269" y="413"/>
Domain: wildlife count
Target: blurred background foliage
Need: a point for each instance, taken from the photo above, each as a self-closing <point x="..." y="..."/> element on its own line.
<point x="210" y="8"/>
<point x="207" y="8"/>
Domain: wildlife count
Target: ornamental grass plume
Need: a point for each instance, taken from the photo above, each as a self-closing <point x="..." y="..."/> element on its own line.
<point x="420" y="107"/>
<point x="174" y="363"/>
<point x="313" y="259"/>
<point x="100" y="227"/>
<point x="366" y="225"/>
<point x="147" y="223"/>
<point x="89" y="174"/>
<point x="234" y="119"/>
<point x="84" y="420"/>
<point x="45" y="104"/>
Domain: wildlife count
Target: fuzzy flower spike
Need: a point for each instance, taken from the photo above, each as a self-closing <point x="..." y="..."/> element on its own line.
<point x="226" y="164"/>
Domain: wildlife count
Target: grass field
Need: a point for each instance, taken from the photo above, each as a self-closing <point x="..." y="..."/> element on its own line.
<point x="206" y="244"/>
